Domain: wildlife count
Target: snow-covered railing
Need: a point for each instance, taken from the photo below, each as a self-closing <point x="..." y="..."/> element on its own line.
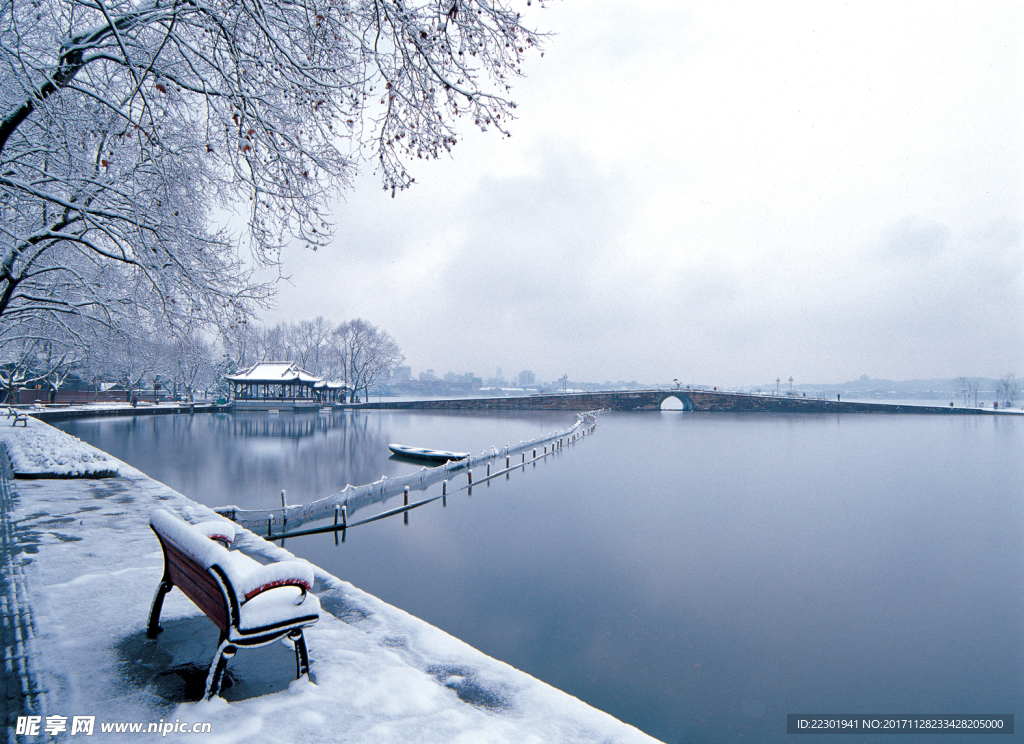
<point x="352" y="498"/>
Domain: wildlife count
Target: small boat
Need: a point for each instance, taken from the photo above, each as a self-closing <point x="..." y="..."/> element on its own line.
<point x="426" y="455"/>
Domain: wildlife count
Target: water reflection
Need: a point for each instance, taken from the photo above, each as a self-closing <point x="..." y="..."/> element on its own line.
<point x="247" y="458"/>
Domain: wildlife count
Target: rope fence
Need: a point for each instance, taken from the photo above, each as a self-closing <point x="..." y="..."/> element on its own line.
<point x="344" y="503"/>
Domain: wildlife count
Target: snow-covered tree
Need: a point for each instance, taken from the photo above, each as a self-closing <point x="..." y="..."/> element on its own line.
<point x="968" y="386"/>
<point x="1007" y="390"/>
<point x="18" y="367"/>
<point x="34" y="352"/>
<point x="127" y="356"/>
<point x="364" y="354"/>
<point x="192" y="367"/>
<point x="55" y="363"/>
<point x="309" y="341"/>
<point x="241" y="345"/>
<point x="123" y="123"/>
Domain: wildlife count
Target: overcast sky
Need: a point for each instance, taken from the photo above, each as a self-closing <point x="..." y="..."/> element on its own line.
<point x="723" y="193"/>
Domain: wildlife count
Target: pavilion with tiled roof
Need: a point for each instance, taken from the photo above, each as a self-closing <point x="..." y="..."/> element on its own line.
<point x="274" y="381"/>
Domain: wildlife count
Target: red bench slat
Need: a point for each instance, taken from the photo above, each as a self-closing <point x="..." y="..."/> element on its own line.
<point x="196" y="583"/>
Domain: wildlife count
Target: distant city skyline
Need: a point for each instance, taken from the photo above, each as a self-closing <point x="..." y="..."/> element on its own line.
<point x="947" y="384"/>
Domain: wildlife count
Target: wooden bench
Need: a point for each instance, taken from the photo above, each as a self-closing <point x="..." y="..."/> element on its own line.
<point x="252" y="604"/>
<point x="19" y="418"/>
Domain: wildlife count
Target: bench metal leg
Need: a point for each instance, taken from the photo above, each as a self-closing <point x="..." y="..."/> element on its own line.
<point x="220" y="663"/>
<point x="158" y="603"/>
<point x="301" y="657"/>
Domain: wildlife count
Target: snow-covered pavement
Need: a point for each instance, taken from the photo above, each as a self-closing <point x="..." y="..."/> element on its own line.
<point x="37" y="450"/>
<point x="82" y="567"/>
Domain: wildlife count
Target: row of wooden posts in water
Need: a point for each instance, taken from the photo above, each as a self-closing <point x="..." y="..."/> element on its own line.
<point x="341" y="523"/>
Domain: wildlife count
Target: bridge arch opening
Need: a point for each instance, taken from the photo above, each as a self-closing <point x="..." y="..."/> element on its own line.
<point x="676" y="403"/>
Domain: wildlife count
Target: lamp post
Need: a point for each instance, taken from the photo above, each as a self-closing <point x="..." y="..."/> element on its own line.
<point x="791" y="384"/>
<point x="777" y="381"/>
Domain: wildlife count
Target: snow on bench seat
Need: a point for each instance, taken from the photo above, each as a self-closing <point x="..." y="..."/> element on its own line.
<point x="252" y="604"/>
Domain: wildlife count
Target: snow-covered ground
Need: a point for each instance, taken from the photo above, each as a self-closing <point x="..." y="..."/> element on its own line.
<point x="90" y="564"/>
<point x="39" y="449"/>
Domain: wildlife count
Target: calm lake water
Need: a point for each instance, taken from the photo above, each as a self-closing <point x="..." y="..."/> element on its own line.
<point x="696" y="575"/>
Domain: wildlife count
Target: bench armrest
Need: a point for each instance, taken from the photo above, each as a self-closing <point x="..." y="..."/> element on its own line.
<point x="249" y="578"/>
<point x="301" y="585"/>
<point x="220" y="530"/>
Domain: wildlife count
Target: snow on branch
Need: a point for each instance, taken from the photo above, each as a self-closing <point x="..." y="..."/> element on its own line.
<point x="124" y="124"/>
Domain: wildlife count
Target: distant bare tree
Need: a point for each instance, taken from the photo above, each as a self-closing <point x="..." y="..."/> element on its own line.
<point x="1007" y="390"/>
<point x="270" y="343"/>
<point x="968" y="387"/>
<point x="356" y="352"/>
<point x="236" y="343"/>
<point x="247" y="342"/>
<point x="192" y="364"/>
<point x="308" y="340"/>
<point x="365" y="353"/>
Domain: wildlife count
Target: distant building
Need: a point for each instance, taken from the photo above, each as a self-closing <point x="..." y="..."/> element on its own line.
<point x="402" y="374"/>
<point x="463" y="383"/>
<point x="527" y="378"/>
<point x="428" y="375"/>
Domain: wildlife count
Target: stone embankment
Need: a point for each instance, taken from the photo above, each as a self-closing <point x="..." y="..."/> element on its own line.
<point x="632" y="400"/>
<point x="63" y="413"/>
<point x="651" y="400"/>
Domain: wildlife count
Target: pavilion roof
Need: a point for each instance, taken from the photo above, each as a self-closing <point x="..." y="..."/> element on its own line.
<point x="333" y="384"/>
<point x="274" y="373"/>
